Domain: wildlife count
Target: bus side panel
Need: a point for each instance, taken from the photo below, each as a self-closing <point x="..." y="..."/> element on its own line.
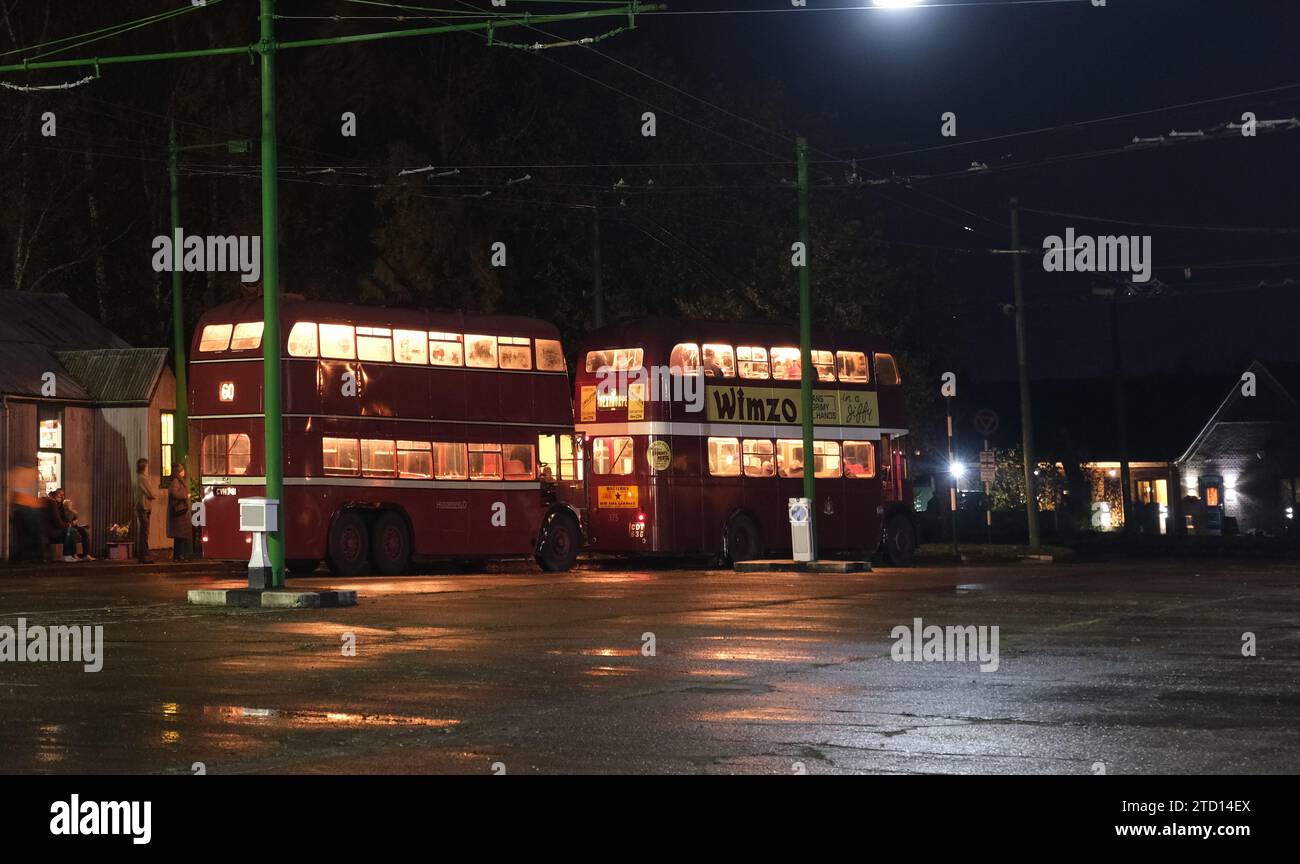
<point x="340" y="395"/>
<point x="503" y="521"/>
<point x="686" y="510"/>
<point x="301" y="394"/>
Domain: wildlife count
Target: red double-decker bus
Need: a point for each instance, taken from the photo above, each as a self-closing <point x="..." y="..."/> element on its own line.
<point x="694" y="440"/>
<point x="406" y="433"/>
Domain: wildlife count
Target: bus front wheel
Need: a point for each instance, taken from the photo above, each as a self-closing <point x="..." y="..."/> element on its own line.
<point x="390" y="544"/>
<point x="744" y="539"/>
<point x="561" y="540"/>
<point x="349" y="544"/>
<point x="900" y="540"/>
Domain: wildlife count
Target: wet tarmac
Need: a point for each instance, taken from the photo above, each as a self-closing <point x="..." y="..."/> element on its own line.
<point x="1122" y="667"/>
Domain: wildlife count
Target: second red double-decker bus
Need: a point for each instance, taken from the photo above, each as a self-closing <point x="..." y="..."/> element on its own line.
<point x="694" y="440"/>
<point x="406" y="433"/>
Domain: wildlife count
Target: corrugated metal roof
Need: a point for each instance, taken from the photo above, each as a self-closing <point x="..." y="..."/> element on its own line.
<point x="35" y="327"/>
<point x="116" y="375"/>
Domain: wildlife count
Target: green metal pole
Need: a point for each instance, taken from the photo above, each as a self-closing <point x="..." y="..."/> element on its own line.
<point x="805" y="347"/>
<point x="271" y="373"/>
<point x="181" y="419"/>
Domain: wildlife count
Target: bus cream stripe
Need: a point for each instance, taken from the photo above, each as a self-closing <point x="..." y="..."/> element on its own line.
<point x="738" y="430"/>
<point x="384" y="482"/>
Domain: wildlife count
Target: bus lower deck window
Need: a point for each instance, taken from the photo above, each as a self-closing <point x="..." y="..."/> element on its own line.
<point x="414" y="459"/>
<point x="227" y="454"/>
<point x="449" y="461"/>
<point x="611" y="455"/>
<point x="485" y="461"/>
<point x="790" y="461"/>
<point x="859" y="459"/>
<point x="760" y="458"/>
<point x="724" y="457"/>
<point x="378" y="457"/>
<point x="519" y="462"/>
<point x="340" y="456"/>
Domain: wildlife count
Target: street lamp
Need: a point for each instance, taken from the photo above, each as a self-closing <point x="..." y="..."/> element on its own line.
<point x="957" y="470"/>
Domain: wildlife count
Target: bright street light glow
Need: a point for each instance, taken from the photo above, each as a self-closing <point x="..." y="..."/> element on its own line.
<point x="957" y="470"/>
<point x="895" y="4"/>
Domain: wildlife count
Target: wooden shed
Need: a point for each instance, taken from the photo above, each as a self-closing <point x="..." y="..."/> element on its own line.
<point x="78" y="406"/>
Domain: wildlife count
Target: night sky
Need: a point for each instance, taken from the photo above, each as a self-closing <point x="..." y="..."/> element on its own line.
<point x="869" y="84"/>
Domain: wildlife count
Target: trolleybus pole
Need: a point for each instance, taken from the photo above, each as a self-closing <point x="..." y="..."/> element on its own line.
<point x="271" y="372"/>
<point x="805" y="350"/>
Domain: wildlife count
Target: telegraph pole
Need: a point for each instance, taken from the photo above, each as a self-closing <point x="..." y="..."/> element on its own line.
<point x="1022" y="363"/>
<point x="805" y="350"/>
<point x="181" y="419"/>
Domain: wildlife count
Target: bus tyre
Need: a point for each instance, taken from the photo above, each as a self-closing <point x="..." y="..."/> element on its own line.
<point x="349" y="544"/>
<point x="744" y="540"/>
<point x="302" y="566"/>
<point x="390" y="544"/>
<point x="560" y="543"/>
<point x="900" y="540"/>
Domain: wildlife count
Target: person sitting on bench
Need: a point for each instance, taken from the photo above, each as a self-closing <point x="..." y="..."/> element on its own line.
<point x="57" y="529"/>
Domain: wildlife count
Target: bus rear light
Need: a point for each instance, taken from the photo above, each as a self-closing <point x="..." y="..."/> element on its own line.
<point x="205" y="538"/>
<point x="640" y="516"/>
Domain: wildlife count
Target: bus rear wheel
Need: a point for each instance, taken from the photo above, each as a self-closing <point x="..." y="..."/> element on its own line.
<point x="561" y="540"/>
<point x="744" y="539"/>
<point x="349" y="544"/>
<point x="900" y="540"/>
<point x="390" y="544"/>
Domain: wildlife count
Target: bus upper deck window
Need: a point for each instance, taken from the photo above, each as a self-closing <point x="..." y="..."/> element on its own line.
<point x="216" y="337"/>
<point x="481" y="351"/>
<point x="786" y="364"/>
<point x="859" y="459"/>
<point x="852" y="366"/>
<point x="247" y="336"/>
<point x="886" y="369"/>
<point x="375" y="344"/>
<point x="338" y="342"/>
<point x="626" y="359"/>
<point x="411" y="346"/>
<point x="515" y="352"/>
<point x="302" y="339"/>
<point x="685" y="359"/>
<point x="719" y="361"/>
<point x="752" y="360"/>
<point x="824" y="363"/>
<point x="446" y="349"/>
<point x="550" y="356"/>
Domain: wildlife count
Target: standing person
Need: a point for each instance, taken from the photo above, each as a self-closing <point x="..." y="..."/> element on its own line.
<point x="144" y="499"/>
<point x="178" y="514"/>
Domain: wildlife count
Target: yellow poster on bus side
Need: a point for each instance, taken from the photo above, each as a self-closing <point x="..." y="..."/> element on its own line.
<point x="616" y="497"/>
<point x="780" y="405"/>
<point x="588" y="404"/>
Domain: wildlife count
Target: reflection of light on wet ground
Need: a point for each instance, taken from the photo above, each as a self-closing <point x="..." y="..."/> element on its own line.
<point x="171" y="736"/>
<point x="236" y="714"/>
<point x="765" y="715"/>
<point x="49" y="747"/>
<point x="616" y="577"/>
<point x="609" y="671"/>
<point x="599" y="652"/>
<point x="758" y="653"/>
<point x="971" y="586"/>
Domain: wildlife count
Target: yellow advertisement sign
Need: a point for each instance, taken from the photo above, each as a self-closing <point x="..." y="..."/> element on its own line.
<point x="636" y="401"/>
<point x="588" y="404"/>
<point x="660" y="455"/>
<point x="616" y="497"/>
<point x="779" y="405"/>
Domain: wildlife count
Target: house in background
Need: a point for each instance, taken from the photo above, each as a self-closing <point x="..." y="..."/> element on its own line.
<point x="1244" y="464"/>
<point x="78" y="406"/>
